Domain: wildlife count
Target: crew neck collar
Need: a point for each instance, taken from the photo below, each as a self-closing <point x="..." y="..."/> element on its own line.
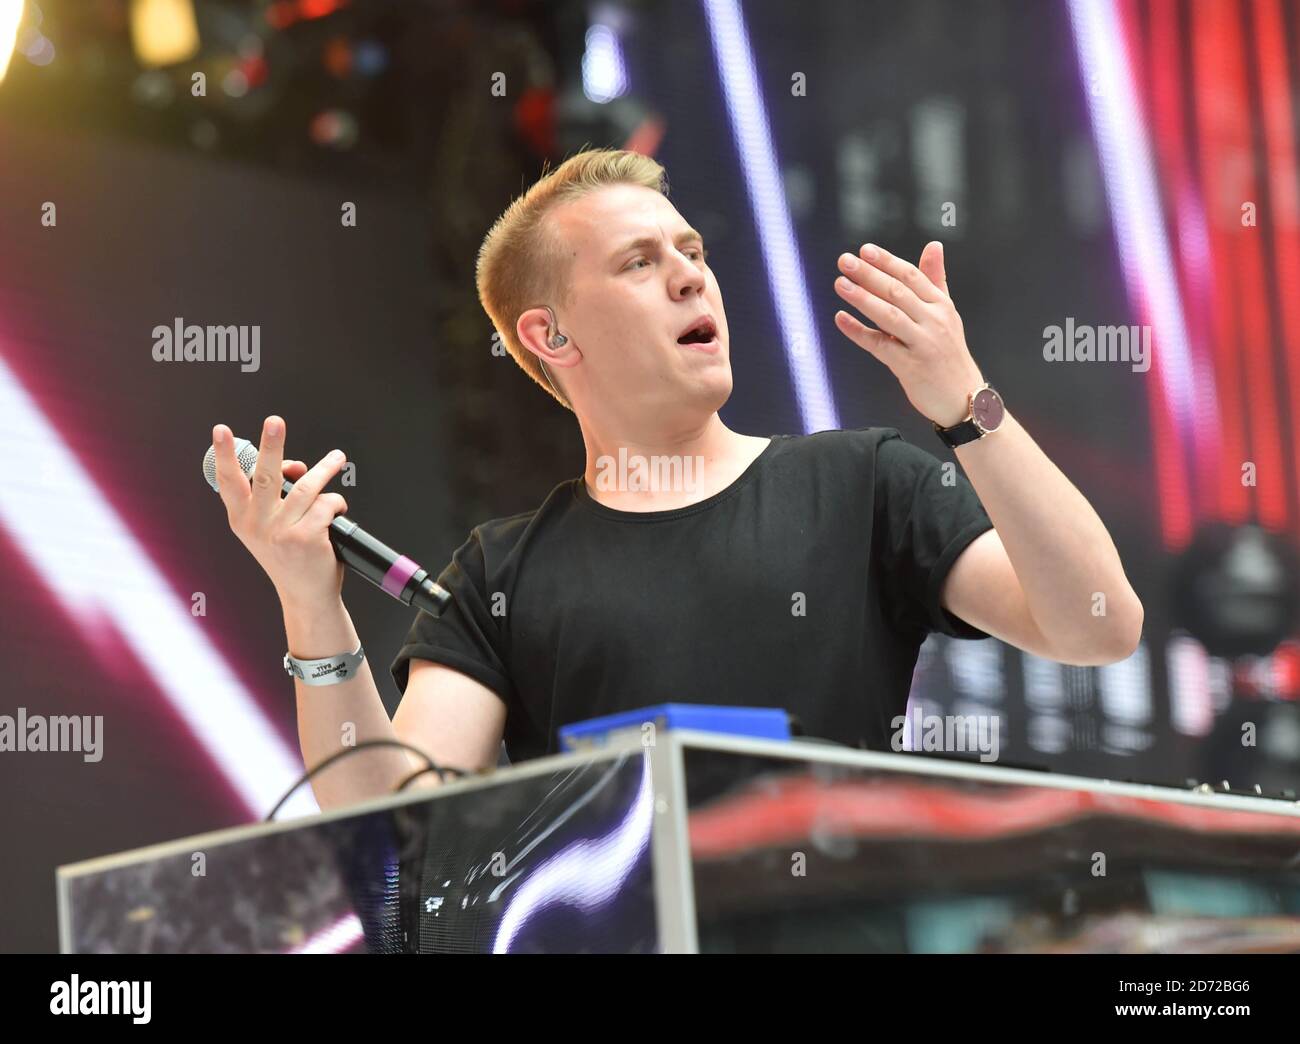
<point x="584" y="497"/>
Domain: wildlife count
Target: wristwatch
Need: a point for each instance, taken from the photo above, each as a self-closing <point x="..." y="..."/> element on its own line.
<point x="983" y="416"/>
<point x="329" y="671"/>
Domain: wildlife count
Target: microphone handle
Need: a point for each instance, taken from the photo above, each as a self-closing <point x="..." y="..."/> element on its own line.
<point x="392" y="573"/>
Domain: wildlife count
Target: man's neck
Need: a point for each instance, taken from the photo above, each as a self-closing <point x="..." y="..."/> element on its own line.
<point x="661" y="470"/>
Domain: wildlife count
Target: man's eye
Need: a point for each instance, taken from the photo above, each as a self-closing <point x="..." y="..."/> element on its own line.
<point x="702" y="254"/>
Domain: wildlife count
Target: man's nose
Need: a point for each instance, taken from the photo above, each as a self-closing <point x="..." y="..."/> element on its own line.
<point x="686" y="278"/>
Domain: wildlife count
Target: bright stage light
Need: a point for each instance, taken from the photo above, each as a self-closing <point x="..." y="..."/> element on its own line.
<point x="104" y="579"/>
<point x="743" y="95"/>
<point x="11" y="14"/>
<point x="604" y="75"/>
<point x="164" y="32"/>
<point x="1146" y="254"/>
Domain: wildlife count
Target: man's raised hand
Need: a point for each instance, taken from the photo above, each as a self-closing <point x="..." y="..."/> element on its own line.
<point x="920" y="336"/>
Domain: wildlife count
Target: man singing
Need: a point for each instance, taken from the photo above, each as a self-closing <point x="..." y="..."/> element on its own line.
<point x="797" y="571"/>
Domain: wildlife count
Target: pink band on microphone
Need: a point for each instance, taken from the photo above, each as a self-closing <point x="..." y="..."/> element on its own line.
<point x="398" y="574"/>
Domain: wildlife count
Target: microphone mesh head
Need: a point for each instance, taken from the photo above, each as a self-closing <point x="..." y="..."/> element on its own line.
<point x="245" y="453"/>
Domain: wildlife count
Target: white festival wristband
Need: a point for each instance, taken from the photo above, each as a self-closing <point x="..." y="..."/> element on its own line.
<point x="329" y="671"/>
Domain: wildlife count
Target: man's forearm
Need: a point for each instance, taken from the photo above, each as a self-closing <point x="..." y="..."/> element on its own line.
<point x="1064" y="558"/>
<point x="1074" y="585"/>
<point x="335" y="717"/>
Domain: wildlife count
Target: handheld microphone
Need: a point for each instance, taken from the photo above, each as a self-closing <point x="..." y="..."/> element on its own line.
<point x="355" y="548"/>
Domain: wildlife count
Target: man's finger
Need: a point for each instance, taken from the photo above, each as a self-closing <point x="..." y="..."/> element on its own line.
<point x="904" y="271"/>
<point x="299" y="499"/>
<point x="889" y="317"/>
<point x="232" y="483"/>
<point x="885" y="348"/>
<point x="270" y="463"/>
<point x="323" y="509"/>
<point x="932" y="265"/>
<point x="876" y="281"/>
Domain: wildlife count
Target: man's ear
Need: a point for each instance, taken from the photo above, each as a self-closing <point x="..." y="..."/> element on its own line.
<point x="534" y="331"/>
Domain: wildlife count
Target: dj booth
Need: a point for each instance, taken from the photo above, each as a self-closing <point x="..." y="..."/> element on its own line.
<point x="696" y="842"/>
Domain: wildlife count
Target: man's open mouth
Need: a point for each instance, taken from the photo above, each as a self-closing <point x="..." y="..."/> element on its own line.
<point x="702" y="331"/>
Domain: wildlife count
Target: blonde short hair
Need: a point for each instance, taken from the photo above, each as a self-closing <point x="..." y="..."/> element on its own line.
<point x="522" y="264"/>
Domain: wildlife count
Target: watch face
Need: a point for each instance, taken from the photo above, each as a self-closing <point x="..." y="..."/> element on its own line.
<point x="986" y="409"/>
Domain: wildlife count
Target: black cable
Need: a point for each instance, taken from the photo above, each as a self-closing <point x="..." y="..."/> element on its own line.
<point x="440" y="769"/>
<point x="339" y="755"/>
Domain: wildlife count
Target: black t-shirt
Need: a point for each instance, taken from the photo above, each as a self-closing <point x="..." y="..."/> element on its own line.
<point x="809" y="584"/>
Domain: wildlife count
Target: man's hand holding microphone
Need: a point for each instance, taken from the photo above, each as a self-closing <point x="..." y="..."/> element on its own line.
<point x="288" y="536"/>
<point x="302" y="543"/>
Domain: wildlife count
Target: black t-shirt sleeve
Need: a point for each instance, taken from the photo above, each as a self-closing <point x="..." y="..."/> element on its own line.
<point x="467" y="636"/>
<point x="926" y="516"/>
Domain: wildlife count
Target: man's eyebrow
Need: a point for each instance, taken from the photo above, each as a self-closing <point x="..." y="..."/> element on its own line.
<point x="651" y="242"/>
